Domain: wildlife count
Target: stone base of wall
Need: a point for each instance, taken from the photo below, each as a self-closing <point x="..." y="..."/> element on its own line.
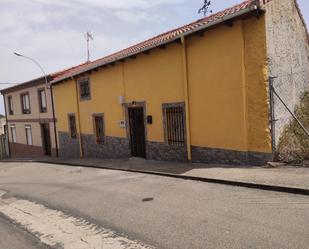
<point x="164" y="152"/>
<point x="221" y="156"/>
<point x="68" y="147"/>
<point x="259" y="159"/>
<point x="53" y="152"/>
<point x="113" y="147"/>
<point x="25" y="151"/>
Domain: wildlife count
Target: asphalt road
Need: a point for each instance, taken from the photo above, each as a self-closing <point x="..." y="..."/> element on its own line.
<point x="164" y="212"/>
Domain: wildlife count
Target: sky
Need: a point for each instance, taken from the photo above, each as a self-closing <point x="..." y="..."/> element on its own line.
<point x="52" y="31"/>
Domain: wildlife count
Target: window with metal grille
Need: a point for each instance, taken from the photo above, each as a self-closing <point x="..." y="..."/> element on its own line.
<point x="72" y="126"/>
<point x="99" y="128"/>
<point x="84" y="89"/>
<point x="174" y="124"/>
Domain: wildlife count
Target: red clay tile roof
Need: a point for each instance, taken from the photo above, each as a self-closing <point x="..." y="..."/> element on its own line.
<point x="161" y="39"/>
<point x="39" y="81"/>
<point x="65" y="71"/>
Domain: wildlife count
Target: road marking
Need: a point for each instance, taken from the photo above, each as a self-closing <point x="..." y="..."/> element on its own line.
<point x="54" y="228"/>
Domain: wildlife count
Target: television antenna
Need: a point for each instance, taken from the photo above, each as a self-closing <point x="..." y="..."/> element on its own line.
<point x="88" y="38"/>
<point x="205" y="8"/>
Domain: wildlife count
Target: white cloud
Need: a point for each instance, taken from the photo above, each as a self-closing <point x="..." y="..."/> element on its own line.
<point x="109" y="4"/>
<point x="51" y="31"/>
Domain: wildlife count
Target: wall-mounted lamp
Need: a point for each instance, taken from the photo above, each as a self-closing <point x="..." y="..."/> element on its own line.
<point x="121" y="100"/>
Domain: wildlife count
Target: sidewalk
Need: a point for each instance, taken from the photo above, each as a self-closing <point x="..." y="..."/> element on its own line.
<point x="284" y="179"/>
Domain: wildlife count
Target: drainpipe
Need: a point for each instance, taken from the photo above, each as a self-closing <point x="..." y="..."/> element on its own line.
<point x="272" y="118"/>
<point x="245" y="91"/>
<point x="7" y="125"/>
<point x="81" y="152"/>
<point x="54" y="119"/>
<point x="186" y="92"/>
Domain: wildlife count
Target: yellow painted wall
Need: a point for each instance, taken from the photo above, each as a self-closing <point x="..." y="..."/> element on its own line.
<point x="106" y="86"/>
<point x="156" y="79"/>
<point x="65" y="103"/>
<point x="215" y="69"/>
<point x="259" y="138"/>
<point x="227" y="89"/>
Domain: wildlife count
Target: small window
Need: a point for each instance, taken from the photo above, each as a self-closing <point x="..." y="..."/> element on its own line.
<point x="84" y="89"/>
<point x="72" y="126"/>
<point x="42" y="101"/>
<point x="25" y="102"/>
<point x="99" y="128"/>
<point x="13" y="133"/>
<point x="28" y="134"/>
<point x="174" y="124"/>
<point x="10" y="105"/>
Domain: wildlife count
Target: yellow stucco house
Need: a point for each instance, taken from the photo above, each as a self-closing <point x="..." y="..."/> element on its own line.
<point x="198" y="93"/>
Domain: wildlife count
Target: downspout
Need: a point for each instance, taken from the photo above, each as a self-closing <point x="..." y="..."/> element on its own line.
<point x="245" y="90"/>
<point x="186" y="93"/>
<point x="54" y="119"/>
<point x="81" y="152"/>
<point x="272" y="118"/>
<point x="124" y="89"/>
<point x="7" y="125"/>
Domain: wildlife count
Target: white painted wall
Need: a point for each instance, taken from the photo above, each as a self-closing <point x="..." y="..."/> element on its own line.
<point x="288" y="56"/>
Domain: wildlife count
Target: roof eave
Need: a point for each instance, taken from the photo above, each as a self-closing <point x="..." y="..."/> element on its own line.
<point x="28" y="84"/>
<point x="224" y="19"/>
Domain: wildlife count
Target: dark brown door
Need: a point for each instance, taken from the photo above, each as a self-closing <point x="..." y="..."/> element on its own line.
<point x="46" y="139"/>
<point x="137" y="132"/>
<point x="99" y="129"/>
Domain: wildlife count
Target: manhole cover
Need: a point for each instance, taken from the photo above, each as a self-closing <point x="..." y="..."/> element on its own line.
<point x="147" y="199"/>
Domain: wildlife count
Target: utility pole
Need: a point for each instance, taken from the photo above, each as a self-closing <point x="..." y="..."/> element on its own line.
<point x="88" y="37"/>
<point x="48" y="86"/>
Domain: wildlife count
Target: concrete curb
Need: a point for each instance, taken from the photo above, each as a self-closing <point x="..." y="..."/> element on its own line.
<point x="283" y="189"/>
<point x="267" y="187"/>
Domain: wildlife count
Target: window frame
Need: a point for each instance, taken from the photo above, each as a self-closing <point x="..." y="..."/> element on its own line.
<point x="23" y="110"/>
<point x="165" y="106"/>
<point x="14" y="139"/>
<point x="41" y="108"/>
<point x="70" y="127"/>
<point x="94" y="116"/>
<point x="29" y="137"/>
<point x="10" y="105"/>
<point x="80" y="82"/>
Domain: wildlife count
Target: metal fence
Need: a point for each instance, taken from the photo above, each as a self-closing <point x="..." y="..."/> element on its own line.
<point x="4" y="146"/>
<point x="289" y="124"/>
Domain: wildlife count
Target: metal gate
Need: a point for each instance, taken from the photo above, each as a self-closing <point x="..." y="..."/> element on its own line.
<point x="274" y="94"/>
<point x="4" y="146"/>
